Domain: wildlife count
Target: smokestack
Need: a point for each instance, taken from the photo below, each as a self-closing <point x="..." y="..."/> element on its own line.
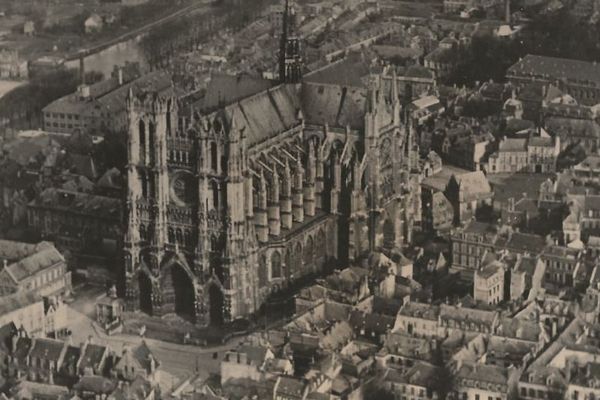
<point x="507" y="11"/>
<point x="120" y="76"/>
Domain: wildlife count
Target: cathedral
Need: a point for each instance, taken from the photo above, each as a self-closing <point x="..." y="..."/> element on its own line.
<point x="226" y="208"/>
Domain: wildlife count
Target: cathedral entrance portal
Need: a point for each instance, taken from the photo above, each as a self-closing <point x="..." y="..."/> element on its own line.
<point x="216" y="305"/>
<point x="178" y="292"/>
<point x="145" y="287"/>
<point x="184" y="292"/>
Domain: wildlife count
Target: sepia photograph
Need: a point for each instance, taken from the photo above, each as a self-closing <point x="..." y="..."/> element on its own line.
<point x="299" y="199"/>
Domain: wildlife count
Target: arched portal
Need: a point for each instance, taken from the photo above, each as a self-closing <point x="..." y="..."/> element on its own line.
<point x="389" y="234"/>
<point x="184" y="292"/>
<point x="216" y="305"/>
<point x="178" y="294"/>
<point x="145" y="287"/>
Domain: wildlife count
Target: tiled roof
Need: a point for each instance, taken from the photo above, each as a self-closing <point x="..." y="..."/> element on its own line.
<point x="371" y="322"/>
<point x="510" y="145"/>
<point x="95" y="384"/>
<point x="531" y="243"/>
<point x="45" y="255"/>
<point x="99" y="206"/>
<point x="92" y="356"/>
<point x="290" y="387"/>
<point x="420" y="310"/>
<point x="474" y="372"/>
<point x="557" y="68"/>
<point x="47" y="349"/>
<point x="17" y="300"/>
<point x="473" y="183"/>
<point x="467" y="314"/>
<point x="420" y="374"/>
<point x="590" y="162"/>
<point x="491" y="269"/>
<point x="22" y="348"/>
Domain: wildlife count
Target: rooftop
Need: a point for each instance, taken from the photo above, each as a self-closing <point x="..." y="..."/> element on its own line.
<point x="557" y="68"/>
<point x="13" y="302"/>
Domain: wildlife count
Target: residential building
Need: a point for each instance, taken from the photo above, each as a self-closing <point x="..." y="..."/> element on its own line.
<point x="441" y="61"/>
<point x="580" y="79"/>
<point x="60" y="215"/>
<point x="561" y="265"/>
<point x="137" y="361"/>
<point x="33" y="267"/>
<point x="418" y="382"/>
<point x="470" y="243"/>
<point x="25" y="310"/>
<point x="522" y="275"/>
<point x="474" y="381"/>
<point x="588" y="170"/>
<point x="535" y="155"/>
<point x="583" y="218"/>
<point x="510" y="157"/>
<point x="488" y="283"/>
<point x="417" y="319"/>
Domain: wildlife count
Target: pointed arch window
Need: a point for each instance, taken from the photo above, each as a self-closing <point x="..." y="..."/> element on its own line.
<point x="142" y="140"/>
<point x="276" y="265"/>
<point x="214" y="159"/>
<point x="151" y="141"/>
<point x="262" y="271"/>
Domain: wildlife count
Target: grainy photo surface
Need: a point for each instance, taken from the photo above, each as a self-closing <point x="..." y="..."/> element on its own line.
<point x="299" y="199"/>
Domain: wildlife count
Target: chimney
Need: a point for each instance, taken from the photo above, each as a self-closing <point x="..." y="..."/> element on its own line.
<point x="507" y="15"/>
<point x="5" y="263"/>
<point x="120" y="75"/>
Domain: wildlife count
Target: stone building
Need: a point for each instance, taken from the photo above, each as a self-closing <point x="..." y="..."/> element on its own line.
<point x="77" y="221"/>
<point x="489" y="283"/>
<point x="39" y="267"/>
<point x="234" y="205"/>
<point x="580" y="79"/>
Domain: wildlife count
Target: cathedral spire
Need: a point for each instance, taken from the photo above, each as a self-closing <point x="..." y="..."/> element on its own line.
<point x="290" y="59"/>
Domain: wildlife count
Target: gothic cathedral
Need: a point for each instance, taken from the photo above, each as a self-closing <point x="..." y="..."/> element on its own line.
<point x="227" y="208"/>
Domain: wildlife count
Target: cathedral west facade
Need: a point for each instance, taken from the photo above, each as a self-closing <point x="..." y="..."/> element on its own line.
<point x="226" y="208"/>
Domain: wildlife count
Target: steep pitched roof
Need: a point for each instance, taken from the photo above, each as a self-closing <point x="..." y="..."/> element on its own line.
<point x="263" y="115"/>
<point x="46" y="256"/>
<point x="337" y="106"/>
<point x="224" y="89"/>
